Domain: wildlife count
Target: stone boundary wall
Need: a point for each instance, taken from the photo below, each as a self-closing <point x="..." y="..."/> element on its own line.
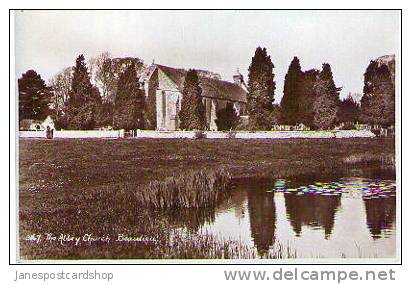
<point x="257" y="134"/>
<point x="74" y="134"/>
<point x="63" y="134"/>
<point x="164" y="134"/>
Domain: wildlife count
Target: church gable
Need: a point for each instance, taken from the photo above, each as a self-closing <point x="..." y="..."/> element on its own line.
<point x="165" y="82"/>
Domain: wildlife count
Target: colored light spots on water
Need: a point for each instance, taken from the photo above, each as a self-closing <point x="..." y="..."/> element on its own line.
<point x="358" y="187"/>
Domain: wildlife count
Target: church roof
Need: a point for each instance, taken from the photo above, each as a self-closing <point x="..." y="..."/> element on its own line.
<point x="211" y="87"/>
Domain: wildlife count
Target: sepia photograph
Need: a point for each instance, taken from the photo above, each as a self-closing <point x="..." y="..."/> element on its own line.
<point x="243" y="136"/>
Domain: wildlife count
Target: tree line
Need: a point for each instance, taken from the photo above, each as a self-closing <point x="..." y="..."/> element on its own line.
<point x="106" y="91"/>
<point x="75" y="103"/>
<point x="312" y="98"/>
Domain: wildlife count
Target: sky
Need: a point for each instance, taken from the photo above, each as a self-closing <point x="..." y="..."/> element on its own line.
<point x="219" y="41"/>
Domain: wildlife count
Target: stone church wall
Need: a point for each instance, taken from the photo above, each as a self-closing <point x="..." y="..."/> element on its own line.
<point x="168" y="103"/>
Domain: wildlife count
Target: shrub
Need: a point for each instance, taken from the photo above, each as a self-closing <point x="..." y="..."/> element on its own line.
<point x="348" y="127"/>
<point x="376" y="131"/>
<point x="198" y="134"/>
<point x="227" y="118"/>
<point x="232" y="134"/>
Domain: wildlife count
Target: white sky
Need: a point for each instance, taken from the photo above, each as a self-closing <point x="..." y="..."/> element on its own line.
<point x="219" y="41"/>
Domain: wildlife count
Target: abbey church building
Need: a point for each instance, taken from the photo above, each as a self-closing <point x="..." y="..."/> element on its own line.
<point x="165" y="84"/>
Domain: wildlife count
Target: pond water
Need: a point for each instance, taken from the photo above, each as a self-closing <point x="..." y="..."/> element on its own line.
<point x="349" y="216"/>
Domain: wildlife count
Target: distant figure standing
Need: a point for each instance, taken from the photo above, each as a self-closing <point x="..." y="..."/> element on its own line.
<point x="49" y="133"/>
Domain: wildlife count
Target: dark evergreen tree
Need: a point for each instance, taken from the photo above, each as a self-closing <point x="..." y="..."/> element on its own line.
<point x="261" y="88"/>
<point x="151" y="107"/>
<point x="276" y="114"/>
<point x="292" y="93"/>
<point x="327" y="97"/>
<point x="378" y="101"/>
<point x="348" y="111"/>
<point x="325" y="112"/>
<point x="34" y="96"/>
<point x="192" y="113"/>
<point x="227" y="118"/>
<point x="84" y="100"/>
<point x="105" y="114"/>
<point x="308" y="97"/>
<point x="129" y="101"/>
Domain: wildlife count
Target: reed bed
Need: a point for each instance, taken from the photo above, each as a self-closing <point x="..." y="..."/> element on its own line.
<point x="383" y="160"/>
<point x="195" y="246"/>
<point x="193" y="189"/>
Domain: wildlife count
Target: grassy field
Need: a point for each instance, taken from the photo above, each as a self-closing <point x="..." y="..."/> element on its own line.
<point x="105" y="187"/>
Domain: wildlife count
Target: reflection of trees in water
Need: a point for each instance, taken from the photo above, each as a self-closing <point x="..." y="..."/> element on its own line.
<point x="261" y="208"/>
<point x="194" y="218"/>
<point x="380" y="215"/>
<point x="311" y="210"/>
<point x="239" y="205"/>
<point x="191" y="218"/>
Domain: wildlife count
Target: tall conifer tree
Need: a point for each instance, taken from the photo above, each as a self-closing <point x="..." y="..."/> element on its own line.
<point x="84" y="100"/>
<point x="129" y="102"/>
<point x="292" y="93"/>
<point x="308" y="97"/>
<point x="378" y="101"/>
<point x="192" y="114"/>
<point x="261" y="88"/>
<point x="327" y="98"/>
<point x="34" y="96"/>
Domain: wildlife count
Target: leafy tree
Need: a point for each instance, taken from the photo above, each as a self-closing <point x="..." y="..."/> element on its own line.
<point x="102" y="70"/>
<point x="261" y="88"/>
<point x="348" y="110"/>
<point x="60" y="85"/>
<point x="84" y="100"/>
<point x="120" y="64"/>
<point x="129" y="102"/>
<point x="327" y="97"/>
<point x="378" y="101"/>
<point x="192" y="113"/>
<point x="292" y="93"/>
<point x="34" y="96"/>
<point x="227" y="118"/>
<point x="106" y="71"/>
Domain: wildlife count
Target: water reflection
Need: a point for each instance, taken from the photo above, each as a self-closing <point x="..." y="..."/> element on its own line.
<point x="380" y="216"/>
<point x="315" y="211"/>
<point x="191" y="219"/>
<point x="317" y="218"/>
<point x="261" y="209"/>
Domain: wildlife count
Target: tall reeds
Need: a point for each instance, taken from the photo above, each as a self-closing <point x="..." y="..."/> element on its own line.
<point x="192" y="189"/>
<point x="195" y="246"/>
<point x="383" y="160"/>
